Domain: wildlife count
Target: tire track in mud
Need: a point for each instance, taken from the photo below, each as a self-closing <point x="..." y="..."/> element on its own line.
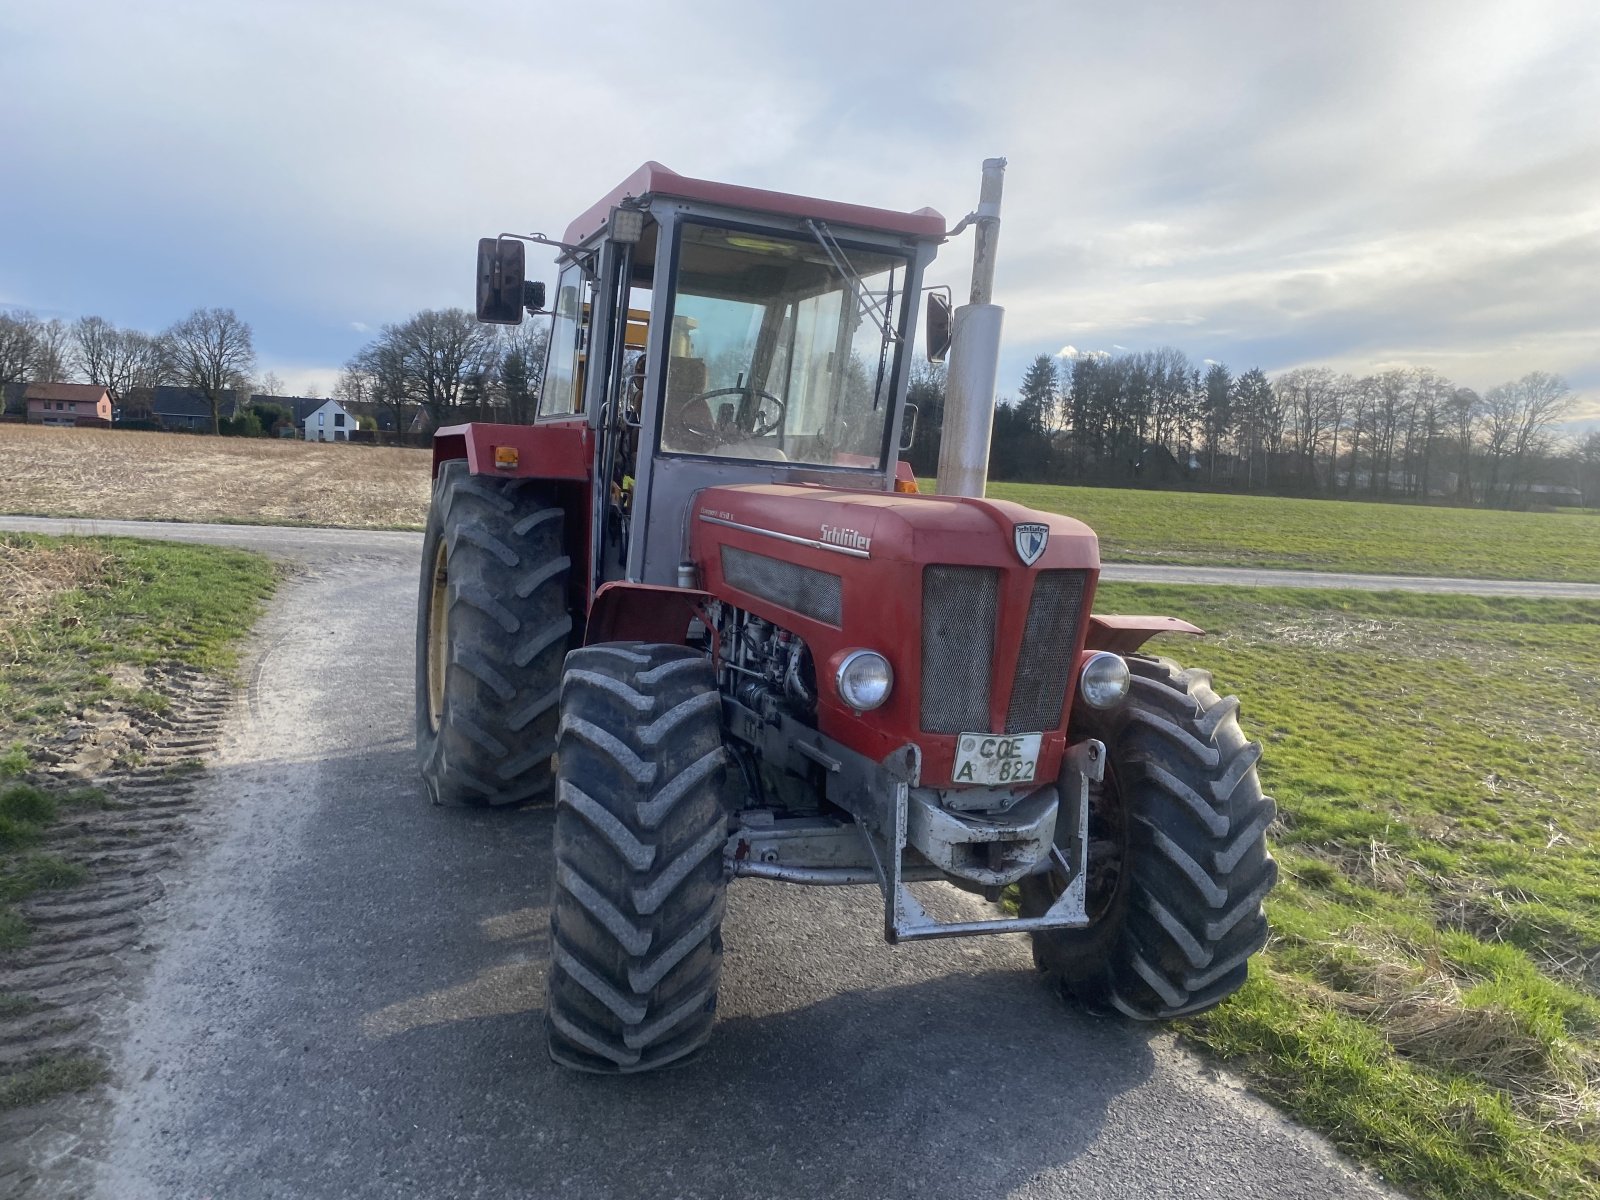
<point x="66" y="983"/>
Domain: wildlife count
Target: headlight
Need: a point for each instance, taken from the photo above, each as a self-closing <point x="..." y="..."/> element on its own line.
<point x="864" y="679"/>
<point x="1104" y="680"/>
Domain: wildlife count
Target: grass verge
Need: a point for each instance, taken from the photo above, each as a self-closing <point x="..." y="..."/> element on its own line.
<point x="150" y="604"/>
<point x="83" y="623"/>
<point x="1271" y="532"/>
<point x="1431" y="995"/>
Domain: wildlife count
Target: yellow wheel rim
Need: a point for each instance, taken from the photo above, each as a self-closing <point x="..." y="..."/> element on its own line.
<point x="438" y="639"/>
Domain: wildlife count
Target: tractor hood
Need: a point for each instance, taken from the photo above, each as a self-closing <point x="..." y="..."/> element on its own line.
<point x="980" y="606"/>
<point x="896" y="527"/>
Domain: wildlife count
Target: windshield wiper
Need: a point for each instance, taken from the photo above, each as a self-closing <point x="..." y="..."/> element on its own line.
<point x="869" y="305"/>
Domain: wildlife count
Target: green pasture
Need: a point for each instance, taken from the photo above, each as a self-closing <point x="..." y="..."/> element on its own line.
<point x="1271" y="532"/>
<point x="1431" y="995"/>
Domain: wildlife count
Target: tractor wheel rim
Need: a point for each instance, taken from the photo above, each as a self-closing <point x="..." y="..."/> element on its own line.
<point x="438" y="638"/>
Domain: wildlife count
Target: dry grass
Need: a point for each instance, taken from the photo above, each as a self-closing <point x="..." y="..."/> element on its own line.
<point x="33" y="574"/>
<point x="1433" y="1013"/>
<point x="107" y="474"/>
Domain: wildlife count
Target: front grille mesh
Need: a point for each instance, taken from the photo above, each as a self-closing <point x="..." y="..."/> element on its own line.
<point x="1044" y="665"/>
<point x="959" y="605"/>
<point x="805" y="590"/>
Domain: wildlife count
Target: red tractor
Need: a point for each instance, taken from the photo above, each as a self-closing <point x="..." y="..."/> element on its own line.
<point x="700" y="605"/>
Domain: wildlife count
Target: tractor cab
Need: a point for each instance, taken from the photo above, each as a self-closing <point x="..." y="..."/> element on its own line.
<point x="711" y="334"/>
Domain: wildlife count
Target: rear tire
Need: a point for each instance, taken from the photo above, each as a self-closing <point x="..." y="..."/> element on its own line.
<point x="642" y="815"/>
<point x="1178" y="854"/>
<point x="492" y="630"/>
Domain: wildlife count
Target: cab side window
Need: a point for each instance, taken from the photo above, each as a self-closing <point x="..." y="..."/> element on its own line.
<point x="562" y="393"/>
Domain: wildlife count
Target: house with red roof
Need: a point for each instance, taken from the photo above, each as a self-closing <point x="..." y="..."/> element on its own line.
<point x="85" y="404"/>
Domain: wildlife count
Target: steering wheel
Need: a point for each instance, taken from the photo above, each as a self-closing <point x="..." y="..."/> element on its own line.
<point x="752" y="420"/>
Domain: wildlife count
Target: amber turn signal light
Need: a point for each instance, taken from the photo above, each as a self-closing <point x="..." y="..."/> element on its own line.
<point x="505" y="458"/>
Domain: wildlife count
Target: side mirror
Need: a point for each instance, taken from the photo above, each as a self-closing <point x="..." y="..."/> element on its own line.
<point x="937" y="338"/>
<point x="908" y="427"/>
<point x="501" y="265"/>
<point x="533" y="295"/>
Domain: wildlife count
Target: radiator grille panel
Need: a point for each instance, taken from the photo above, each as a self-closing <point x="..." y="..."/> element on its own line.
<point x="959" y="605"/>
<point x="805" y="590"/>
<point x="1044" y="665"/>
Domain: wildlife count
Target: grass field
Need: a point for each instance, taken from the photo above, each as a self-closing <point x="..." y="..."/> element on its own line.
<point x="189" y="477"/>
<point x="1329" y="535"/>
<point x="85" y="624"/>
<point x="1431" y="995"/>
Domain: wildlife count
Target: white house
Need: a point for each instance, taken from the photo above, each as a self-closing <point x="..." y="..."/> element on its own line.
<point x="330" y="423"/>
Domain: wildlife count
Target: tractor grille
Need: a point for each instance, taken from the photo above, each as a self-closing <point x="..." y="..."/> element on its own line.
<point x="805" y="590"/>
<point x="1044" y="663"/>
<point x="959" y="605"/>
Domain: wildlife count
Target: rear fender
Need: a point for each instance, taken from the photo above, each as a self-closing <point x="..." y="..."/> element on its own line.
<point x="1124" y="635"/>
<point x="561" y="452"/>
<point x="555" y="450"/>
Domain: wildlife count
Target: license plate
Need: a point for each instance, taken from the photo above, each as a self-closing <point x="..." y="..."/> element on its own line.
<point x="997" y="760"/>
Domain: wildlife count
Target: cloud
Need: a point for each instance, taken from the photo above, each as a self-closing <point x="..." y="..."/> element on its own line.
<point x="1398" y="183"/>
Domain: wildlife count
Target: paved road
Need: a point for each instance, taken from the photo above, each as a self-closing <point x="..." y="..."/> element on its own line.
<point x="344" y="987"/>
<point x="320" y="542"/>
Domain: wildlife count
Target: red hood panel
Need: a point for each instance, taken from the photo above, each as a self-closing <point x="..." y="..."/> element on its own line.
<point x="897" y="527"/>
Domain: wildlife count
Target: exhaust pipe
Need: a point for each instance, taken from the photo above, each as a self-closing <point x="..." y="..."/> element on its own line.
<point x="974" y="356"/>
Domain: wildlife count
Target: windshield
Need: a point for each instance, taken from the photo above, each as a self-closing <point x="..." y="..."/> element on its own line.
<point x="779" y="353"/>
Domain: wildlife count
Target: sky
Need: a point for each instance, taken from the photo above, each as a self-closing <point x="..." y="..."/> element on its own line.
<point x="1352" y="185"/>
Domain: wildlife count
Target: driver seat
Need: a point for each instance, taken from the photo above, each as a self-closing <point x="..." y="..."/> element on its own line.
<point x="686" y="377"/>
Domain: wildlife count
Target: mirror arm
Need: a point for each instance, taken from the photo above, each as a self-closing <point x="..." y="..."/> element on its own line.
<point x="583" y="259"/>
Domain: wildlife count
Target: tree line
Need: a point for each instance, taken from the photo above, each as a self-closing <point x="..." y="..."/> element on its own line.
<point x="1153" y="418"/>
<point x="211" y="352"/>
<point x="1157" y="419"/>
<point x="441" y="361"/>
<point x="451" y="367"/>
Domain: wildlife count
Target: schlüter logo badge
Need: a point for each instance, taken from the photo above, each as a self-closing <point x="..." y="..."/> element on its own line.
<point x="1030" y="541"/>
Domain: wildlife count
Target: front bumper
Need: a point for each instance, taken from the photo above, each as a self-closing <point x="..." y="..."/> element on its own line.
<point x="900" y="834"/>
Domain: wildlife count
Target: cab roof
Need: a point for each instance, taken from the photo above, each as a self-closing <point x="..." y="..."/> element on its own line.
<point x="654" y="179"/>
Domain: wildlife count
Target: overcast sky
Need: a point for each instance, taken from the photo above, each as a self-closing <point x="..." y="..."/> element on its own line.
<point x="1355" y="185"/>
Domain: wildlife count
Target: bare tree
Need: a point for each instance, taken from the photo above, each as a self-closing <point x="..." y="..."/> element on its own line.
<point x="212" y="352"/>
<point x="1541" y="401"/>
<point x="19" y="346"/>
<point x="1462" y="411"/>
<point x="1430" y="393"/>
<point x="93" y="347"/>
<point x="1389" y="410"/>
<point x="1588" y="456"/>
<point x="1499" y="420"/>
<point x="52" y="342"/>
<point x="270" y="385"/>
<point x="442" y="349"/>
<point x="119" y="360"/>
<point x="378" y="375"/>
<point x="521" y="372"/>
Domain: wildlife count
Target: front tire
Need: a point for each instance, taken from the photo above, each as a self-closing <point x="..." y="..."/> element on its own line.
<point x="492" y="629"/>
<point x="642" y="815"/>
<point x="1178" y="856"/>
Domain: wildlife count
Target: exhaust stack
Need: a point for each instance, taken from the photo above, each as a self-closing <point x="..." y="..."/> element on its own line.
<point x="974" y="355"/>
